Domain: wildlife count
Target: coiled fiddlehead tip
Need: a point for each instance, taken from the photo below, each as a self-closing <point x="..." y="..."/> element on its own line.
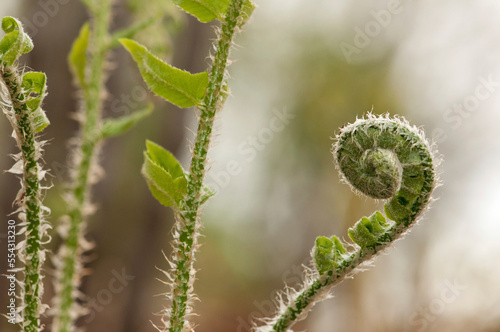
<point x="382" y="157"/>
<point x="385" y="157"/>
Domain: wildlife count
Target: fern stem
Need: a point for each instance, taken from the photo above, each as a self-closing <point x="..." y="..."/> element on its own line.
<point x="85" y="167"/>
<point x="188" y="223"/>
<point x="315" y="290"/>
<point x="30" y="201"/>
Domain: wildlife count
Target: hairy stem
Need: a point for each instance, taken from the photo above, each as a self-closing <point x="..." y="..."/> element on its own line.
<point x="30" y="198"/>
<point x="78" y="198"/>
<point x="188" y="218"/>
<point x="315" y="291"/>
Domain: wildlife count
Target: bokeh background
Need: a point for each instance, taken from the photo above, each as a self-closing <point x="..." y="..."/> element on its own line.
<point x="310" y="66"/>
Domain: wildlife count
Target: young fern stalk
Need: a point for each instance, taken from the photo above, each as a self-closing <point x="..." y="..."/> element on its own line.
<point x="84" y="172"/>
<point x="382" y="158"/>
<point x="87" y="61"/>
<point x="167" y="180"/>
<point x="188" y="223"/>
<point x="21" y="105"/>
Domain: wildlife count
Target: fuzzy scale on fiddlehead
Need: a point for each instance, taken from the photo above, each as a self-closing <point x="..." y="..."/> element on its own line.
<point x="383" y="158"/>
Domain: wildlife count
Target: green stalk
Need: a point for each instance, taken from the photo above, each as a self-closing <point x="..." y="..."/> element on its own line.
<point x="88" y="148"/>
<point x="30" y="201"/>
<point x="316" y="290"/>
<point x="188" y="218"/>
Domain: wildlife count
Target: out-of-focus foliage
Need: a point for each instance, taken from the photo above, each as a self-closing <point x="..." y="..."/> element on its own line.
<point x="169" y="25"/>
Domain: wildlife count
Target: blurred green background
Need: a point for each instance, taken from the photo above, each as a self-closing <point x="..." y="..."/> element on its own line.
<point x="300" y="70"/>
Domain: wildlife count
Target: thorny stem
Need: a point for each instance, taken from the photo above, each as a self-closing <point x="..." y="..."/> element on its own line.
<point x="188" y="218"/>
<point x="25" y="137"/>
<point x="88" y="149"/>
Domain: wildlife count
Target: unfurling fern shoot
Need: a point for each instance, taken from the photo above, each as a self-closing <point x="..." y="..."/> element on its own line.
<point x="383" y="158"/>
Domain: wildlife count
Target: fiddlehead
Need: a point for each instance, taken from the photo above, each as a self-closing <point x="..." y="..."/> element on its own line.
<point x="383" y="158"/>
<point x="387" y="158"/>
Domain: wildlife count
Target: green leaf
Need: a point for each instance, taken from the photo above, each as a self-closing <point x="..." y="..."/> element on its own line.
<point x="367" y="231"/>
<point x="361" y="235"/>
<point x="40" y="120"/>
<point x="35" y="85"/>
<point x="15" y="42"/>
<point x="246" y="12"/>
<point x="179" y="87"/>
<point x="181" y="184"/>
<point x="77" y="57"/>
<point x="165" y="159"/>
<point x="324" y="254"/>
<point x="339" y="247"/>
<point x="164" y="175"/>
<point x="159" y="181"/>
<point x="208" y="10"/>
<point x="378" y="224"/>
<point x="204" y="10"/>
<point x="118" y="126"/>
